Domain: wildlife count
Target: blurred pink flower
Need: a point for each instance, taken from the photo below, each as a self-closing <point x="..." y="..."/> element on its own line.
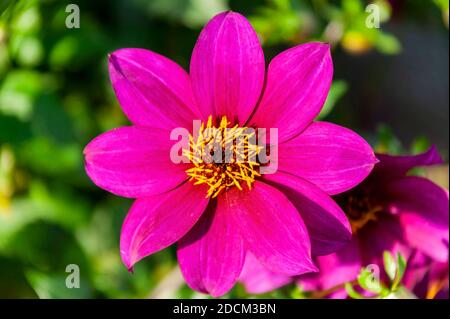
<point x="390" y="211"/>
<point x="427" y="278"/>
<point x="279" y="218"/>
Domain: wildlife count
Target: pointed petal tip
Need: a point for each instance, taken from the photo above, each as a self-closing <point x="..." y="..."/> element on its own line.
<point x="122" y="54"/>
<point x="88" y="152"/>
<point x="217" y="293"/>
<point x="119" y="56"/>
<point x="324" y="46"/>
<point x="312" y="269"/>
<point x="113" y="55"/>
<point x="434" y="156"/>
<point x="375" y="159"/>
<point x="229" y="14"/>
<point x="127" y="262"/>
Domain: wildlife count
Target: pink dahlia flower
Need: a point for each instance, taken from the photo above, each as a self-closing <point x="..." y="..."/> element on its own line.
<point x="388" y="211"/>
<point x="219" y="212"/>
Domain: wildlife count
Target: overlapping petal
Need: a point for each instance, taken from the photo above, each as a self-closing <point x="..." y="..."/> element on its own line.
<point x="227" y="67"/>
<point x="328" y="226"/>
<point x="335" y="269"/>
<point x="391" y="167"/>
<point x="155" y="222"/>
<point x="152" y="90"/>
<point x="258" y="280"/>
<point x="384" y="234"/>
<point x="274" y="231"/>
<point x="211" y="255"/>
<point x="133" y="162"/>
<point x="423" y="210"/>
<point x="298" y="81"/>
<point x="330" y="156"/>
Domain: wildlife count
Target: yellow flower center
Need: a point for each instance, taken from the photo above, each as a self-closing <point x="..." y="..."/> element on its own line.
<point x="359" y="208"/>
<point x="223" y="156"/>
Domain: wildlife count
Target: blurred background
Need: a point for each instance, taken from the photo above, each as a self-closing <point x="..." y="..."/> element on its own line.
<point x="390" y="85"/>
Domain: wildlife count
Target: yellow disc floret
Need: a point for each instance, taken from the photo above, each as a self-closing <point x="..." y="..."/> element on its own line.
<point x="223" y="156"/>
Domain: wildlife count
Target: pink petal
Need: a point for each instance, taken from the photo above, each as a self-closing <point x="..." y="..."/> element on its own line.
<point x="211" y="255"/>
<point x="227" y="67"/>
<point x="153" y="223"/>
<point x="328" y="226"/>
<point x="423" y="210"/>
<point x="133" y="162"/>
<point x="335" y="269"/>
<point x="397" y="166"/>
<point x="272" y="228"/>
<point x="298" y="81"/>
<point x="330" y="156"/>
<point x="416" y="272"/>
<point x="383" y="234"/>
<point x="152" y="90"/>
<point x="258" y="280"/>
<point x="340" y="267"/>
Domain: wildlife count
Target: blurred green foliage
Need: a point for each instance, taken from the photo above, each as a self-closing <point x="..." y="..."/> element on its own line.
<point x="55" y="96"/>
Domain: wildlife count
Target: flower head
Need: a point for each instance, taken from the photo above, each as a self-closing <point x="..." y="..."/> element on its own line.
<point x="389" y="211"/>
<point x="217" y="212"/>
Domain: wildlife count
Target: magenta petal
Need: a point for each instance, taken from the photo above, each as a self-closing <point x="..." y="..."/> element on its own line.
<point x="152" y="90"/>
<point x="272" y="229"/>
<point x="227" y="67"/>
<point x="423" y="210"/>
<point x="258" y="280"/>
<point x="155" y="222"/>
<point x="211" y="255"/>
<point x="335" y="269"/>
<point x="133" y="162"/>
<point x="384" y="234"/>
<point x="342" y="266"/>
<point x="328" y="226"/>
<point x="397" y="166"/>
<point x="298" y="81"/>
<point x="330" y="156"/>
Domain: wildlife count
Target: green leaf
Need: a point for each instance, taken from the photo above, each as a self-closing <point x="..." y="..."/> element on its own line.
<point x="53" y="286"/>
<point x="389" y="265"/>
<point x="337" y="90"/>
<point x="66" y="159"/>
<point x="17" y="92"/>
<point x="387" y="141"/>
<point x="420" y="145"/>
<point x="401" y="266"/>
<point x="352" y="7"/>
<point x="387" y="44"/>
<point x="13" y="130"/>
<point x="352" y="292"/>
<point x="4" y="5"/>
<point x="442" y="4"/>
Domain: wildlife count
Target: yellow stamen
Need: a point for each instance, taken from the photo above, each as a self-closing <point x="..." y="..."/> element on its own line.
<point x="368" y="216"/>
<point x="434" y="288"/>
<point x="224" y="173"/>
